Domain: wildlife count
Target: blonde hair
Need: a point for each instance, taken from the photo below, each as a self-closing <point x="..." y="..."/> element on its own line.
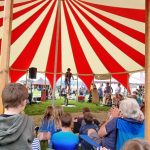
<point x="136" y="144"/>
<point x="131" y="109"/>
<point x="48" y="113"/>
<point x="58" y="112"/>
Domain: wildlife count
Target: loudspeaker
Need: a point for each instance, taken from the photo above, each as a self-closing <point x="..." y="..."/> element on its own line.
<point x="32" y="73"/>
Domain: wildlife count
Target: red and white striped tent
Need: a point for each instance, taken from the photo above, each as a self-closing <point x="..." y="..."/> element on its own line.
<point x="95" y="37"/>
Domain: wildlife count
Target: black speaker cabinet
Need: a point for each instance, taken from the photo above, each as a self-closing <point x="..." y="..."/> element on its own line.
<point x="32" y="73"/>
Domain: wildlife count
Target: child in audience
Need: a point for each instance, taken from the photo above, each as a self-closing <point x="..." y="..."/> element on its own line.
<point x="79" y="121"/>
<point x="16" y="129"/>
<point x="58" y="112"/>
<point x="65" y="139"/>
<point x="89" y="124"/>
<point x="45" y="129"/>
<point x="36" y="142"/>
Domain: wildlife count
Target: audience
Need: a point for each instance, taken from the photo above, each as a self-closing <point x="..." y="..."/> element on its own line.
<point x="16" y="129"/>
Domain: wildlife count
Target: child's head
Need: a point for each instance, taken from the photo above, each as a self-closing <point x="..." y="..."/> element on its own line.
<point x="85" y="109"/>
<point x="36" y="129"/>
<point x="14" y="95"/>
<point x="58" y="111"/>
<point x="66" y="120"/>
<point x="88" y="117"/>
<point x="48" y="112"/>
<point x="137" y="144"/>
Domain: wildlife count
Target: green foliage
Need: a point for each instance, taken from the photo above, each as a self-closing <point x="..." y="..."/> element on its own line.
<point x="38" y="109"/>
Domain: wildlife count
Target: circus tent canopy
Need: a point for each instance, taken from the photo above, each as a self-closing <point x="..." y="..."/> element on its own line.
<point x="96" y="37"/>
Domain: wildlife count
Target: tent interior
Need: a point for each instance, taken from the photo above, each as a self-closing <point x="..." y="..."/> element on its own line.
<point x="92" y="37"/>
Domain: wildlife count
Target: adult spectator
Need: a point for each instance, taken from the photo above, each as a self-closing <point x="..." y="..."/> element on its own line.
<point x="130" y="112"/>
<point x="107" y="92"/>
<point x="100" y="93"/>
<point x="16" y="129"/>
<point x="118" y="89"/>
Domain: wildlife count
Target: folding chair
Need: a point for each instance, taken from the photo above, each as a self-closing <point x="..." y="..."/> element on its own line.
<point x="87" y="143"/>
<point x="126" y="130"/>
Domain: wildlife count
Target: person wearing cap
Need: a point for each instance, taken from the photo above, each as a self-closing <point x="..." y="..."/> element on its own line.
<point x="68" y="76"/>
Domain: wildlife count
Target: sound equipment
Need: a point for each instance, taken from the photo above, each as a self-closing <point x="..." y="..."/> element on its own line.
<point x="32" y="73"/>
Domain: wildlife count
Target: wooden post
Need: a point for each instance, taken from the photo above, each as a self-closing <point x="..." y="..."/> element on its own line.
<point x="147" y="73"/>
<point x="56" y="52"/>
<point x="5" y="49"/>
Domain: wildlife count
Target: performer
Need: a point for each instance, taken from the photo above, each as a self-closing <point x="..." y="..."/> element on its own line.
<point x="68" y="76"/>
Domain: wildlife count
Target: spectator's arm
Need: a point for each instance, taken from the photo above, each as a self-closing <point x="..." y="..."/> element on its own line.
<point x="102" y="131"/>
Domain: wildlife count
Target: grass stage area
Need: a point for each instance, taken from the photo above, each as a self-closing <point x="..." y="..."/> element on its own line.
<point x="38" y="109"/>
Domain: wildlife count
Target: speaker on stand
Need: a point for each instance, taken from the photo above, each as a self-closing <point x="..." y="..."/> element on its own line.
<point x="32" y="75"/>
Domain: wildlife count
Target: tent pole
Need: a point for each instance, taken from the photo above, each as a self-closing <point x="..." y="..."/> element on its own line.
<point x="60" y="86"/>
<point x="147" y="73"/>
<point x="56" y="52"/>
<point x="5" y="49"/>
<point x="110" y="85"/>
<point x="26" y="77"/>
<point x="45" y="81"/>
<point x="77" y="89"/>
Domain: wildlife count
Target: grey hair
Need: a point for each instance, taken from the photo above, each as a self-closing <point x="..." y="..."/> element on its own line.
<point x="131" y="109"/>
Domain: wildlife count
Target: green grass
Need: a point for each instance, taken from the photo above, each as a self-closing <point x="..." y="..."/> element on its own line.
<point x="38" y="109"/>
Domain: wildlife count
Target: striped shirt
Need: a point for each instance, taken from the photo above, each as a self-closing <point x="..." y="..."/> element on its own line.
<point x="36" y="144"/>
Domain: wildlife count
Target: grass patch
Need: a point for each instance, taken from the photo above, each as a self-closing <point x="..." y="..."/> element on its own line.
<point x="38" y="109"/>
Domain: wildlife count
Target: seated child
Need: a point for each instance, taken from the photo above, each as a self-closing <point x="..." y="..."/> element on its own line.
<point x="36" y="141"/>
<point x="65" y="139"/>
<point x="89" y="124"/>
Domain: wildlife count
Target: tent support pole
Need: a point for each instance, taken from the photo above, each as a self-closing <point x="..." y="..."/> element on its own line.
<point x="60" y="86"/>
<point x="5" y="50"/>
<point x="45" y="81"/>
<point x="26" y="77"/>
<point x="77" y="89"/>
<point x="110" y="84"/>
<point x="56" y="52"/>
<point x="147" y="73"/>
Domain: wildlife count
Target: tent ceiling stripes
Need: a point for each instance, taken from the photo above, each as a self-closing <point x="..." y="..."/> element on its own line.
<point x="96" y="37"/>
